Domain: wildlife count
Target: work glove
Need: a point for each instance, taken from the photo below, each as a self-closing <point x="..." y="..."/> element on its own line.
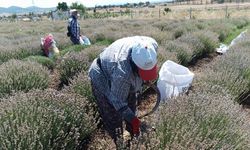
<point x="136" y="126"/>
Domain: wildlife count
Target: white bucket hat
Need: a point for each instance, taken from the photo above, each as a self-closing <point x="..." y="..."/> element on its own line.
<point x="73" y="11"/>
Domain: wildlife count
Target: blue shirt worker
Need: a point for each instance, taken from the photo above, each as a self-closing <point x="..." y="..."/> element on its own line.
<point x="117" y="75"/>
<point x="74" y="27"/>
<point x="74" y="30"/>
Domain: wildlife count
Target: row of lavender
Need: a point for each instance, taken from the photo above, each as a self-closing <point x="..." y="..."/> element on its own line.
<point x="33" y="116"/>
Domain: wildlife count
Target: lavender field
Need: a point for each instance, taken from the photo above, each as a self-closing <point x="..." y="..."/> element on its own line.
<point x="47" y="103"/>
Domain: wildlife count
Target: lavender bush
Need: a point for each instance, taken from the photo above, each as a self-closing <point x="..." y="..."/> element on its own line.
<point x="16" y="75"/>
<point x="45" y="119"/>
<point x="81" y="85"/>
<point x="71" y="65"/>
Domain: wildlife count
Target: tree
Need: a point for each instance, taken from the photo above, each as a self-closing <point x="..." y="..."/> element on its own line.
<point x="167" y="10"/>
<point x="141" y="4"/>
<point x="31" y="14"/>
<point x="14" y="16"/>
<point x="79" y="7"/>
<point x="62" y="6"/>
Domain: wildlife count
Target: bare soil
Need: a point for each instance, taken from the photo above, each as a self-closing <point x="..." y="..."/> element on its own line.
<point x="202" y="63"/>
<point x="100" y="140"/>
<point x="54" y="79"/>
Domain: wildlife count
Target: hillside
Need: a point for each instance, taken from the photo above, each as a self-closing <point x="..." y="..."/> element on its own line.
<point x="16" y="10"/>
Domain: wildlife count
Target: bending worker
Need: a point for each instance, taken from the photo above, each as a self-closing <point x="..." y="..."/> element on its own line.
<point x="117" y="75"/>
<point x="48" y="46"/>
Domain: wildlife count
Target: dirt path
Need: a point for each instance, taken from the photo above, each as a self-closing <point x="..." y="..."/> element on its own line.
<point x="201" y="64"/>
<point x="54" y="79"/>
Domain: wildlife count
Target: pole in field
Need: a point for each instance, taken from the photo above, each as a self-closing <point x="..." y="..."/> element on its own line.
<point x="190" y="13"/>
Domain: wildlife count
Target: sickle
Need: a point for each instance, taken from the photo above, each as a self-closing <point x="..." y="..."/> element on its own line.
<point x="155" y="88"/>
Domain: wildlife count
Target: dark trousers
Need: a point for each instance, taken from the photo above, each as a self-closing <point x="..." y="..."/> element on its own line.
<point x="111" y="118"/>
<point x="74" y="40"/>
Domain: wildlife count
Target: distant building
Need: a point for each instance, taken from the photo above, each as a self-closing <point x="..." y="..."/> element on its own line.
<point x="26" y="19"/>
<point x="36" y="18"/>
<point x="151" y="6"/>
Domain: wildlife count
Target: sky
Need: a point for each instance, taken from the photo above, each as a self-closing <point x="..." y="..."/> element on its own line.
<point x="53" y="3"/>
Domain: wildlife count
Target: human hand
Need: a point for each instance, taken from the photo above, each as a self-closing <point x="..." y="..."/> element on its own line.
<point x="136" y="126"/>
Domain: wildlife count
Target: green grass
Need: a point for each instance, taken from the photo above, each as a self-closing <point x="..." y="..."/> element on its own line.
<point x="233" y="34"/>
<point x="45" y="61"/>
<point x="104" y="42"/>
<point x="74" y="48"/>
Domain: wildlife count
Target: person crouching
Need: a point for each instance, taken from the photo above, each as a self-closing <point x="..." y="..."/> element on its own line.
<point x="48" y="46"/>
<point x="117" y="75"/>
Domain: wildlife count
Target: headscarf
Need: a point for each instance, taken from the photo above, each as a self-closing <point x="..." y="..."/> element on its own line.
<point x="48" y="40"/>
